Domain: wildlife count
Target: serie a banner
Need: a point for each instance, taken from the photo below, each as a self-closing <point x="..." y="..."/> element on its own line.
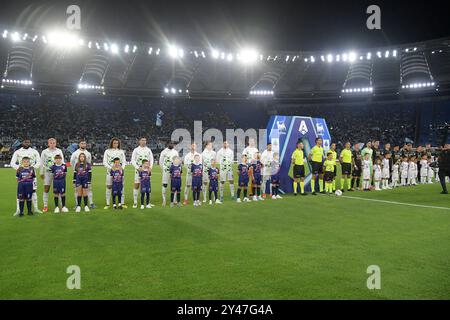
<point x="284" y="132"/>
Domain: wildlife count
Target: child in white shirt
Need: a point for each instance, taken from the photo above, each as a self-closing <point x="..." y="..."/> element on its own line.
<point x="377" y="174"/>
<point x="423" y="169"/>
<point x="404" y="171"/>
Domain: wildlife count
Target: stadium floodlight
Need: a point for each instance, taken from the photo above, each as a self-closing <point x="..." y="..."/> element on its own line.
<point x="344" y="57"/>
<point x="312" y="59"/>
<point x="330" y="58"/>
<point x="135" y="48"/>
<point x="15" y="37"/>
<point x="358" y="90"/>
<point x="379" y="54"/>
<point x="5" y="33"/>
<point x="322" y="58"/>
<point x="126" y="49"/>
<point x="352" y="56"/>
<point x="418" y="85"/>
<point x="230" y="57"/>
<point x="62" y="39"/>
<point x="214" y="54"/>
<point x="369" y="56"/>
<point x="262" y="93"/>
<point x="24" y="37"/>
<point x="105" y="46"/>
<point x="248" y="56"/>
<point x="196" y="53"/>
<point x="97" y="46"/>
<point x="306" y="59"/>
<point x="386" y="54"/>
<point x="175" y="52"/>
<point x="203" y="54"/>
<point x="114" y="48"/>
<point x="35" y="38"/>
<point x="394" y="53"/>
<point x="150" y="50"/>
<point x="338" y="57"/>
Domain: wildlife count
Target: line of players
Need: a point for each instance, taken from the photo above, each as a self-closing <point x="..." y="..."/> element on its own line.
<point x="375" y="169"/>
<point x="206" y="171"/>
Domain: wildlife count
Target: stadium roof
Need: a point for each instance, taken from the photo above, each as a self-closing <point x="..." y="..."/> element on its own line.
<point x="69" y="62"/>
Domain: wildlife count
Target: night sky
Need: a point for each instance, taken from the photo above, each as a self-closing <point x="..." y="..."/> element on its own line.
<point x="266" y="25"/>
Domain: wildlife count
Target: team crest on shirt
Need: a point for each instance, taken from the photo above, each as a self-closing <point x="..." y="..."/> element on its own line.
<point x="303" y="129"/>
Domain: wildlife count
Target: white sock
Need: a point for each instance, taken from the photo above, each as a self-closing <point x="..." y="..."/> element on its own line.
<point x="108" y="196"/>
<point x="90" y="196"/>
<point x="34" y="199"/>
<point x="186" y="192"/>
<point x="135" y="195"/>
<point x="75" y="193"/>
<point x="17" y="205"/>
<point x="122" y="200"/>
<point x="232" y="189"/>
<point x="221" y="190"/>
<point x="204" y="192"/>
<point x="164" y="193"/>
<point x="45" y="196"/>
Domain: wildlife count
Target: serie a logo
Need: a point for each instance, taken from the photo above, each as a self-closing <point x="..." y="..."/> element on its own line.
<point x="303" y="129"/>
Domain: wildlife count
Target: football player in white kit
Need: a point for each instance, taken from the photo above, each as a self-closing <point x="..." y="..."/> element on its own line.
<point x="47" y="161"/>
<point x="114" y="151"/>
<point x="266" y="159"/>
<point x="35" y="162"/>
<point x="385" y="171"/>
<point x="225" y="159"/>
<point x="73" y="162"/>
<point x="140" y="153"/>
<point x="250" y="151"/>
<point x="188" y="161"/>
<point x="207" y="156"/>
<point x="165" y="161"/>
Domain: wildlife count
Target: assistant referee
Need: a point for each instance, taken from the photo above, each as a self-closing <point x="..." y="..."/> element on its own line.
<point x="316" y="158"/>
<point x="346" y="166"/>
<point x="298" y="160"/>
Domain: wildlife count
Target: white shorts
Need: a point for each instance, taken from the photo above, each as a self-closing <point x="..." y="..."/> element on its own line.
<point x="423" y="173"/>
<point x="48" y="178"/>
<point x="366" y="175"/>
<point x="205" y="177"/>
<point x="404" y="175"/>
<point x="108" y="179"/>
<point x="385" y="174"/>
<point x="226" y="176"/>
<point x="165" y="177"/>
<point x="395" y="177"/>
<point x="136" y="177"/>
<point x="189" y="180"/>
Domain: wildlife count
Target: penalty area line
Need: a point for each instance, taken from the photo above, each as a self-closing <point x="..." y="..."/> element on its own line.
<point x="398" y="203"/>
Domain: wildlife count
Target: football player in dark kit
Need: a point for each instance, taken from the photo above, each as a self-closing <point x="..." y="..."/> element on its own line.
<point x="444" y="166"/>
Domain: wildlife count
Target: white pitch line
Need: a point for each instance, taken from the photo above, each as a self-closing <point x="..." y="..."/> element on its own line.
<point x="399" y="203"/>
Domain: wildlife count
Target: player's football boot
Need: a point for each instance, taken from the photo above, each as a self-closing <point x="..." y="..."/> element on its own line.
<point x="260" y="198"/>
<point x="20" y="215"/>
<point x="179" y="204"/>
<point x="123" y="206"/>
<point x="264" y="195"/>
<point x="142" y="206"/>
<point x="16" y="213"/>
<point x="255" y="198"/>
<point x="238" y="200"/>
<point x="30" y="213"/>
<point x="37" y="210"/>
<point x="279" y="197"/>
<point x="45" y="209"/>
<point x="171" y="204"/>
<point x="93" y="206"/>
<point x="86" y="209"/>
<point x="106" y="207"/>
<point x="303" y="194"/>
<point x="64" y="209"/>
<point x="78" y="209"/>
<point x="56" y="210"/>
<point x="246" y="199"/>
<point x="135" y="206"/>
<point x="120" y="207"/>
<point x="164" y="203"/>
<point x="210" y="201"/>
<point x="274" y="197"/>
<point x="218" y="201"/>
<point x="149" y="206"/>
<point x="314" y="193"/>
<point x="204" y="200"/>
<point x="185" y="202"/>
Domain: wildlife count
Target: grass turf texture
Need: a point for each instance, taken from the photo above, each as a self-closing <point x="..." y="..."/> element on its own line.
<point x="296" y="248"/>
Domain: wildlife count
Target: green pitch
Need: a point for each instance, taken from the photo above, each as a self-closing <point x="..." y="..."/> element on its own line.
<point x="296" y="248"/>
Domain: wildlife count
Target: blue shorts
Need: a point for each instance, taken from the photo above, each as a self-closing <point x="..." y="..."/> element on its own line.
<point x="24" y="190"/>
<point x="117" y="188"/>
<point x="257" y="178"/>
<point x="82" y="182"/>
<point x="59" y="186"/>
<point x="147" y="188"/>
<point x="197" y="183"/>
<point x="243" y="181"/>
<point x="175" y="185"/>
<point x="275" y="179"/>
<point x="213" y="185"/>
